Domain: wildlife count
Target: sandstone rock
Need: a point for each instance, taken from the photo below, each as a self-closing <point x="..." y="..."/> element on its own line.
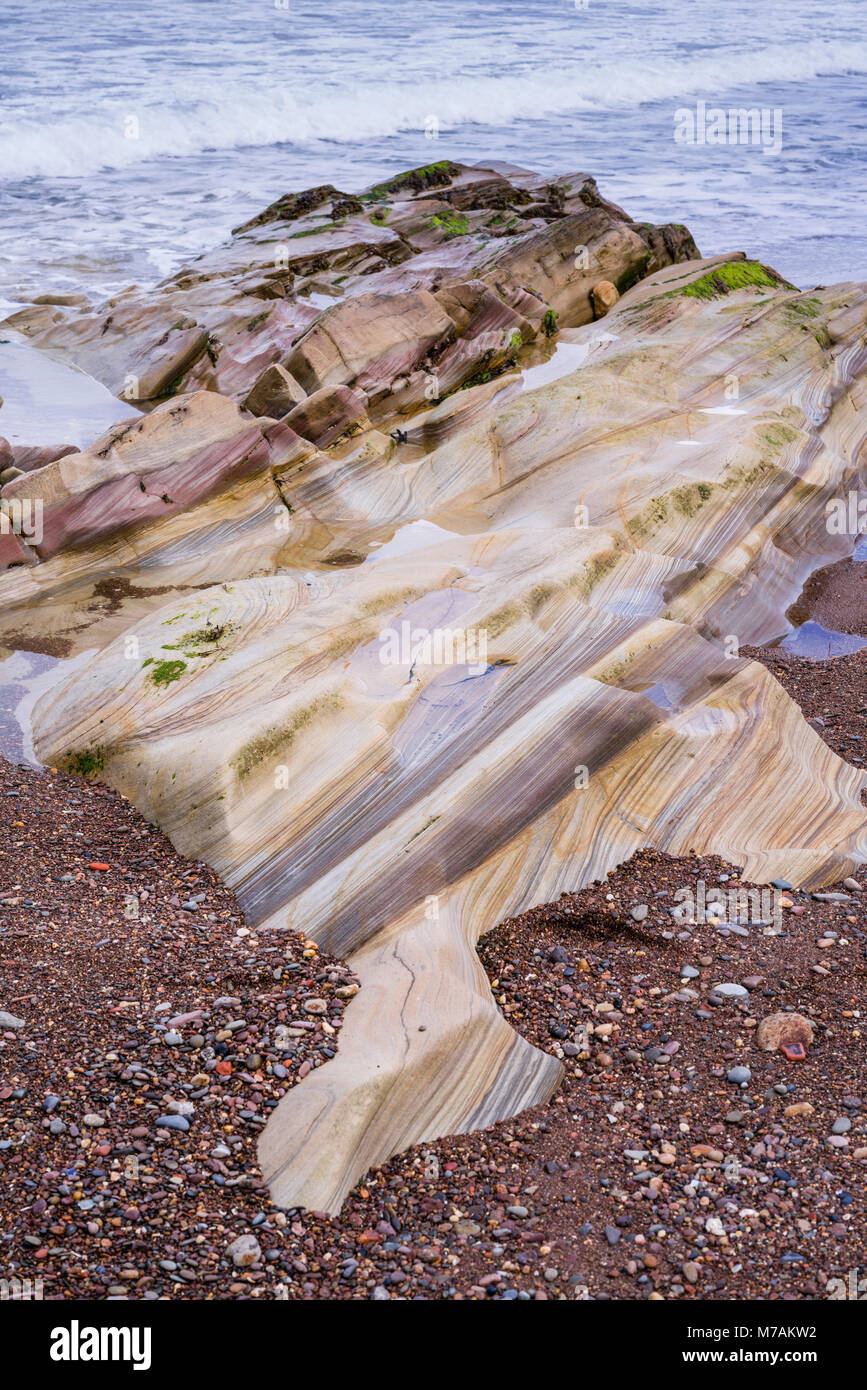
<point x="670" y="244"/>
<point x="564" y="261"/>
<point x="7" y="455"/>
<point x="165" y="365"/>
<point x="490" y="334"/>
<point x="442" y="772"/>
<point x="219" y="322"/>
<point x="275" y="392"/>
<point x="778" y="1029"/>
<point x="244" y="1251"/>
<point x="14" y="550"/>
<point x="291" y="206"/>
<point x="327" y="414"/>
<point x="29" y="457"/>
<point x="370" y="340"/>
<point x="604" y="297"/>
<point x="148" y="468"/>
<point x="35" y="321"/>
<point x="65" y="300"/>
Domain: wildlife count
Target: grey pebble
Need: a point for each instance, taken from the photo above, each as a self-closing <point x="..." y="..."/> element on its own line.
<point x="739" y="1075"/>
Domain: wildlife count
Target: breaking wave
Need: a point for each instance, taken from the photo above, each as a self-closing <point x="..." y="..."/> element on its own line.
<point x="119" y="132"/>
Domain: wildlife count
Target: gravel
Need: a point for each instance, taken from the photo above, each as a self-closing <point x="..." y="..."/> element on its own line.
<point x="637" y="1180"/>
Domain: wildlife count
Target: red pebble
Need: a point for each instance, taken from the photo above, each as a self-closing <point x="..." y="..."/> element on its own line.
<point x="103" y="867"/>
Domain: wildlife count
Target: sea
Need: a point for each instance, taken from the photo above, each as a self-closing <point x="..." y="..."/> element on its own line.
<point x="134" y="136"/>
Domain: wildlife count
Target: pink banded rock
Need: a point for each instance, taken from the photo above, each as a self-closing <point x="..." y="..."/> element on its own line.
<point x="419" y="683"/>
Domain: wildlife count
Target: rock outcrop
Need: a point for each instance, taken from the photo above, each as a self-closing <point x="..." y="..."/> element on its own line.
<point x="343" y="289"/>
<point x="399" y="682"/>
<point x="148" y="468"/>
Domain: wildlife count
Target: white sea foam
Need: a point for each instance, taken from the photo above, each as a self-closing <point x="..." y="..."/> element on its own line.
<point x="184" y="119"/>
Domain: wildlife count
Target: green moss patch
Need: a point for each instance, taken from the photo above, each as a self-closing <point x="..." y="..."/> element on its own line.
<point x="453" y="224"/>
<point x="281" y="736"/>
<point x="437" y="175"/>
<point x="504" y="617"/>
<point x="586" y="580"/>
<point x="726" y="279"/>
<point x="87" y="762"/>
<point x="690" y="498"/>
<point x="165" y="672"/>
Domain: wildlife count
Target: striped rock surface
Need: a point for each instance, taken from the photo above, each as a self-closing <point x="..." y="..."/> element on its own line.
<point x="400" y="691"/>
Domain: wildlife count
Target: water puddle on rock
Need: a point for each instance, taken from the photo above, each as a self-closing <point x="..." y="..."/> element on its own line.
<point x="46" y="402"/>
<point x="416" y="535"/>
<point x="24" y="677"/>
<point x="565" y="358"/>
<point x="816" y="642"/>
<point x="658" y="694"/>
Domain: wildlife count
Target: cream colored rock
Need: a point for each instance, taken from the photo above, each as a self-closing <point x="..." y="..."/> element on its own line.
<point x="370" y="339"/>
<point x="564" y="261"/>
<point x="422" y="683"/>
<point x="604" y="296"/>
<point x="779" y="1029"/>
<point x="328" y="413"/>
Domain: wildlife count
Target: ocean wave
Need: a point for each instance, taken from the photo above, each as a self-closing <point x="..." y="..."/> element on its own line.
<point x="117" y="133"/>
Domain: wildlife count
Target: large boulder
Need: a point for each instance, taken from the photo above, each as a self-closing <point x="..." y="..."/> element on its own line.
<point x="489" y="336"/>
<point x="560" y="264"/>
<point x="369" y="341"/>
<point x="327" y="414"/>
<point x="306" y="280"/>
<point x="275" y="392"/>
<point x="394" y="799"/>
<point x="146" y="469"/>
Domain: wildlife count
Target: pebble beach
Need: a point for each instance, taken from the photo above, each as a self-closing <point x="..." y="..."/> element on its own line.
<point x="152" y="1033"/>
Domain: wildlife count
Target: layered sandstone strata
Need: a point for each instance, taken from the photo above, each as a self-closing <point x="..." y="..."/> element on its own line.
<point x="401" y="681"/>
